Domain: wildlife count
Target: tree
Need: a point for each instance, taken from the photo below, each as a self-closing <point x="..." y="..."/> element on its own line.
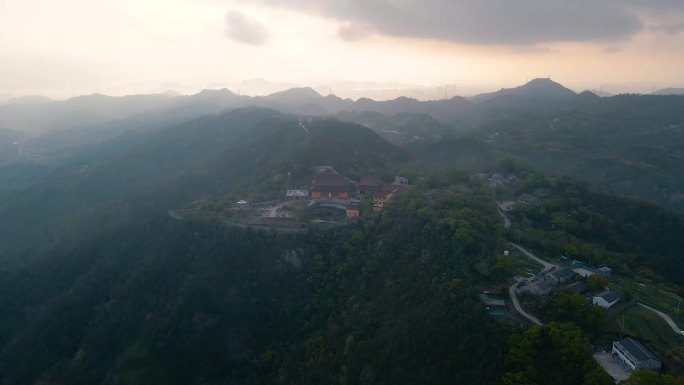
<point x="556" y="354"/>
<point x="597" y="282"/>
<point x="570" y="307"/>
<point x="647" y="377"/>
<point x="597" y="376"/>
<point x="504" y="266"/>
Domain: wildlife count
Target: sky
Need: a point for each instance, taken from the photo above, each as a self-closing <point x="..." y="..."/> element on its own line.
<point x="71" y="47"/>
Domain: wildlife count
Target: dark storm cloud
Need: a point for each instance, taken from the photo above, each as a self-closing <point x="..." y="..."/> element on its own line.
<point x="503" y="22"/>
<point x="244" y="29"/>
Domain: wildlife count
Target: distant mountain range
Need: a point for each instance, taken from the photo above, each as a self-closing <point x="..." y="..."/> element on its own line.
<point x="542" y="122"/>
<point x="669" y="91"/>
<point x="38" y="114"/>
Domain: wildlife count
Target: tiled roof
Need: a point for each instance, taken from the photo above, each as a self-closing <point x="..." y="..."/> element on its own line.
<point x="609" y="296"/>
<point x="577" y="287"/>
<point x="329" y="180"/>
<point x="371" y="181"/>
<point x="562" y="273"/>
<point x="637" y="350"/>
<point x="543" y="286"/>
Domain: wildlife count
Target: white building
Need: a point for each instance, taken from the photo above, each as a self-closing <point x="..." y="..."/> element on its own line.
<point x="606" y="299"/>
<point x="635" y="355"/>
<point x="297" y="192"/>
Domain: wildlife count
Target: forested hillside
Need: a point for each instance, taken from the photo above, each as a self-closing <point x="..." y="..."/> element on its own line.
<point x="100" y="284"/>
<point x="388" y="300"/>
<point x="632" y="236"/>
<point x="629" y="144"/>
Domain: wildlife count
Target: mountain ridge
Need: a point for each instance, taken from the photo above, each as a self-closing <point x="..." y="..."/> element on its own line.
<point x="84" y="111"/>
<point x="669" y="91"/>
<point x="539" y="88"/>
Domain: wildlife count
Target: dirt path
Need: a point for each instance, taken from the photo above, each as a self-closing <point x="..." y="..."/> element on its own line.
<point x="513" y="289"/>
<point x="547" y="265"/>
<point x="507" y="222"/>
<point x="664" y="316"/>
<point x="519" y="309"/>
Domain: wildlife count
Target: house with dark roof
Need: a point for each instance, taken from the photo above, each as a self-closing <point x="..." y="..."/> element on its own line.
<point x="576" y="287"/>
<point x="606" y="299"/>
<point x="559" y="276"/>
<point x="537" y="288"/>
<point x="370" y="185"/>
<point x="330" y="186"/>
<point x="635" y="355"/>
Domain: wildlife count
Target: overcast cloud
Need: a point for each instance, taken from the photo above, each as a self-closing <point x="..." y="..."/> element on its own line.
<point x="655" y="5"/>
<point x="130" y="46"/>
<point x="669" y="28"/>
<point x="489" y="22"/>
<point x="244" y="29"/>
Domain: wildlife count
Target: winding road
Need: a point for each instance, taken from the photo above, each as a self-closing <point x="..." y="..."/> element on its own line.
<point x="513" y="289"/>
<point x="507" y="222"/>
<point x="664" y="316"/>
<point x="519" y="309"/>
<point x="547" y="265"/>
